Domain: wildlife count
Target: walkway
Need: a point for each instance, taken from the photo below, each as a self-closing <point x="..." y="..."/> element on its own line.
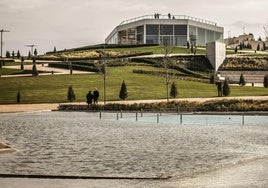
<point x="44" y="68"/>
<point x="9" y="108"/>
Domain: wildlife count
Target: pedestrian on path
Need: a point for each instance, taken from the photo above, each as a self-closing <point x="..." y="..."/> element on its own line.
<point x="96" y="95"/>
<point x="89" y="98"/>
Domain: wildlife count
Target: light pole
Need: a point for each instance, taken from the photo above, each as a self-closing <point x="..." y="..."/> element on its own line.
<point x="102" y="57"/>
<point x="166" y="65"/>
<point x="2" y="31"/>
<point x="104" y="81"/>
<point x="31" y="46"/>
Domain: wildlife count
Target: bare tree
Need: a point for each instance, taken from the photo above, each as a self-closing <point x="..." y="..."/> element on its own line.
<point x="166" y="63"/>
<point x="103" y="59"/>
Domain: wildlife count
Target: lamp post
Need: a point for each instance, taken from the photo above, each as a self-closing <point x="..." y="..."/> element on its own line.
<point x="2" y="31"/>
<point x="31" y="46"/>
<point x="104" y="72"/>
<point x="102" y="57"/>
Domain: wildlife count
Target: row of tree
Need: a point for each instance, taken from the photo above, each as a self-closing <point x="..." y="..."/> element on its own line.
<point x="242" y="81"/>
<point x="241" y="46"/>
<point x="18" y="55"/>
<point x="123" y="94"/>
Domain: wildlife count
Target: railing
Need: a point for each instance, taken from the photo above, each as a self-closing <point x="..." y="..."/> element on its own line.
<point x="180" y="17"/>
<point x="216" y="119"/>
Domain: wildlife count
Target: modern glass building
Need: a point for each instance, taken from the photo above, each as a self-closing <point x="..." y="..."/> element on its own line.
<point x="175" y="30"/>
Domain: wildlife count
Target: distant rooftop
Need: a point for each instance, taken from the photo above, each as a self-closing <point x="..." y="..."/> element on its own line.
<point x="181" y="17"/>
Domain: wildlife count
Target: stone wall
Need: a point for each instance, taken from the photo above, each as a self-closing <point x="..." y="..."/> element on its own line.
<point x="250" y="76"/>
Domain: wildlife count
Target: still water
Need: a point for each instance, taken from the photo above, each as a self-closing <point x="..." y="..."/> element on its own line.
<point x="79" y="143"/>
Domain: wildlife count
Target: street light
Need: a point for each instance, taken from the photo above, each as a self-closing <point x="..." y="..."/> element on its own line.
<point x="102" y="57"/>
<point x="31" y="46"/>
<point x="2" y="31"/>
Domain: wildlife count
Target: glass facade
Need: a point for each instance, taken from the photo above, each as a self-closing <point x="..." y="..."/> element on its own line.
<point x="175" y="35"/>
<point x="180" y="40"/>
<point x="166" y="29"/>
<point x="204" y="36"/>
<point x="152" y="39"/>
<point x="171" y="34"/>
<point x="128" y="36"/>
<point x="140" y="34"/>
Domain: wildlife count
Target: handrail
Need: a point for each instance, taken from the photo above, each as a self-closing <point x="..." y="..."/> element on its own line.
<point x="181" y="17"/>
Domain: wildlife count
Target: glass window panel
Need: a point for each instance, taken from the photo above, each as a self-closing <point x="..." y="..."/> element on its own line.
<point x="166" y="40"/>
<point x="201" y="37"/>
<point x="152" y="29"/>
<point x="180" y="29"/>
<point x="180" y="40"/>
<point x="166" y="29"/>
<point x="140" y="30"/>
<point x="192" y="30"/>
<point x="218" y="36"/>
<point x="210" y="36"/>
<point x="152" y="40"/>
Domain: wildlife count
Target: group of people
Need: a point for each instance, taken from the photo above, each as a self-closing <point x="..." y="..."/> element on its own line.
<point x="93" y="97"/>
<point x="156" y="16"/>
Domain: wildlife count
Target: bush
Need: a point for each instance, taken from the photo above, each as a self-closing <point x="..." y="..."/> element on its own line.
<point x="226" y="89"/>
<point x="265" y="81"/>
<point x="123" y="91"/>
<point x="182" y="106"/>
<point x="71" y="95"/>
<point x="242" y="80"/>
<point x="173" y="90"/>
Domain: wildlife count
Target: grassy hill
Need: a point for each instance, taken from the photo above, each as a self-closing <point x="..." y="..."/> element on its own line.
<point x="53" y="88"/>
<point x="144" y="77"/>
<point x="90" y="52"/>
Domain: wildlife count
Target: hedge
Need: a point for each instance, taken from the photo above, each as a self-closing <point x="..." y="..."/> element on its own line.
<point x="74" y="67"/>
<point x="224" y="105"/>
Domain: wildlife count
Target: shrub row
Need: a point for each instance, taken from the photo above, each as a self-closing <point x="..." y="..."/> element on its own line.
<point x="177" y="75"/>
<point x="155" y="72"/>
<point x="58" y="57"/>
<point x="245" y="64"/>
<point x="74" y="67"/>
<point x="178" y="106"/>
<point x="102" y="46"/>
<point x="187" y="66"/>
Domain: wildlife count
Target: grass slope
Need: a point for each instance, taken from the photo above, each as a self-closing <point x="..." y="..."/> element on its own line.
<point x="53" y="88"/>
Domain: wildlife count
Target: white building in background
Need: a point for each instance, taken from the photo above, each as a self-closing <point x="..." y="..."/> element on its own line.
<point x="175" y="29"/>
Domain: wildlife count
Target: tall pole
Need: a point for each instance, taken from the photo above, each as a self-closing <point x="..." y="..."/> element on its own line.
<point x="2" y="31"/>
<point x="104" y="72"/>
<point x="166" y="52"/>
<point x="102" y="58"/>
<point x="104" y="89"/>
<point x="31" y="46"/>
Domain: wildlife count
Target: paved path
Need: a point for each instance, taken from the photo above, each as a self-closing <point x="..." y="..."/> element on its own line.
<point x="44" y="68"/>
<point x="53" y="106"/>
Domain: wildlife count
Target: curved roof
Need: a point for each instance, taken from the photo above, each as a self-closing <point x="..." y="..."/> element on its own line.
<point x="182" y="17"/>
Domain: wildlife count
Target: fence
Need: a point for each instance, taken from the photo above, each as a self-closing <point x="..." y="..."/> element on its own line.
<point x="192" y="119"/>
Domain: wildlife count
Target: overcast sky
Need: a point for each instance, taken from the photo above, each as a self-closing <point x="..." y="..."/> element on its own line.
<point x="75" y="23"/>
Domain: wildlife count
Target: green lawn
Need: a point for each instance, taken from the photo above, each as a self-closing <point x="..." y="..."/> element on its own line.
<point x="158" y="50"/>
<point x="53" y="88"/>
<point x="7" y="71"/>
<point x="130" y="50"/>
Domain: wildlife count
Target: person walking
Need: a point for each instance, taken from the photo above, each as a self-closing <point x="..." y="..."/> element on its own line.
<point x="96" y="95"/>
<point x="89" y="98"/>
